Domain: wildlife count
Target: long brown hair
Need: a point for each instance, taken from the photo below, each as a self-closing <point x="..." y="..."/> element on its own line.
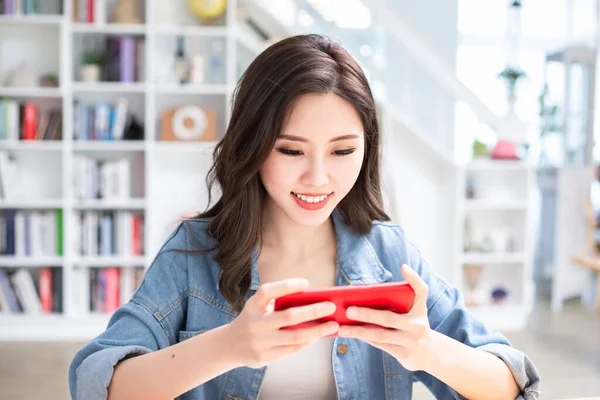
<point x="263" y="100"/>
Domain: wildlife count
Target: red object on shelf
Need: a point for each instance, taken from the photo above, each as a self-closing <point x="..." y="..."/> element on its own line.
<point x="30" y="121"/>
<point x="505" y="150"/>
<point x="90" y="11"/>
<point x="45" y="283"/>
<point x="111" y="289"/>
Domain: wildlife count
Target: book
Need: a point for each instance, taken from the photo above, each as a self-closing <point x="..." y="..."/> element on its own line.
<point x="127" y="59"/>
<point x="9" y="293"/>
<point x="45" y="284"/>
<point x="25" y="290"/>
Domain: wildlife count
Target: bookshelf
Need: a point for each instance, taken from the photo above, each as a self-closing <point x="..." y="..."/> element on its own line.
<point x="495" y="240"/>
<point x="165" y="178"/>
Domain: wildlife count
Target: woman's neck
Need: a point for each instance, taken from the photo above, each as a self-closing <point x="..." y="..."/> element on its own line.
<point x="297" y="241"/>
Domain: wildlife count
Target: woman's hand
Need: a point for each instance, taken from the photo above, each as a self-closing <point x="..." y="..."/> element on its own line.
<point x="255" y="335"/>
<point x="407" y="337"/>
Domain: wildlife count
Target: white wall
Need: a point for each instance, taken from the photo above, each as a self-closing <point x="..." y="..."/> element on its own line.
<point x="433" y="21"/>
<point x="420" y="192"/>
<point x="411" y="89"/>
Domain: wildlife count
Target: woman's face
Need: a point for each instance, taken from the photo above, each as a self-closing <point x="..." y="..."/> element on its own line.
<point x="315" y="160"/>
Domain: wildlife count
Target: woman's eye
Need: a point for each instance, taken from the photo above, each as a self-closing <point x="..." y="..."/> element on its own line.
<point x="344" y="152"/>
<point x="289" y="152"/>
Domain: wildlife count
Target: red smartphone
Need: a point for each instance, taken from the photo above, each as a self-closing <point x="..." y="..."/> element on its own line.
<point x="394" y="296"/>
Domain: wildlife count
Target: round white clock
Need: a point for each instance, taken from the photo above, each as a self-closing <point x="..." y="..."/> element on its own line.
<point x="189" y="123"/>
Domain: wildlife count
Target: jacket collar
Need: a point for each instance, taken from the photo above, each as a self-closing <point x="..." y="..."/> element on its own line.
<point x="356" y="258"/>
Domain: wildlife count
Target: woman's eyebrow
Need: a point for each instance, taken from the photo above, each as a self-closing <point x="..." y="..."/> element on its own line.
<point x="295" y="138"/>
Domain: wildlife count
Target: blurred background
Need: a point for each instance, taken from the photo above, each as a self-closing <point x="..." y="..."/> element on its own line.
<point x="109" y="110"/>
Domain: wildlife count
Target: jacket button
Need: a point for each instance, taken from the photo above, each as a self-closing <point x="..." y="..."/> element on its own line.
<point x="342" y="348"/>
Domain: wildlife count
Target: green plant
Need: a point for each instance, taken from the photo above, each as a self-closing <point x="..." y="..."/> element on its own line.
<point x="480" y="149"/>
<point x="511" y="75"/>
<point x="92" y="57"/>
<point x="49" y="80"/>
<point x="549" y="113"/>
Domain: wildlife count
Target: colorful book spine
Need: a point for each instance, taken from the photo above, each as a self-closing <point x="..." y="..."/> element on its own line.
<point x="127" y="59"/>
<point x="9" y="6"/>
<point x="59" y="232"/>
<point x="90" y="11"/>
<point x="30" y="121"/>
<point x="45" y="284"/>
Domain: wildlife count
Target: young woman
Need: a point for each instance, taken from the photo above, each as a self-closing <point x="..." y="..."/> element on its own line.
<point x="300" y="206"/>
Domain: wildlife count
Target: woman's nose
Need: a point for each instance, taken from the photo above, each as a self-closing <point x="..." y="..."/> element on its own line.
<point x="316" y="173"/>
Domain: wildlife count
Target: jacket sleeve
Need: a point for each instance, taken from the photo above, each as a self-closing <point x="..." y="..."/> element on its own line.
<point x="448" y="315"/>
<point x="148" y="322"/>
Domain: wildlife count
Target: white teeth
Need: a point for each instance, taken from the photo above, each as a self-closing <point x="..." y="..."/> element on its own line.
<point x="311" y="199"/>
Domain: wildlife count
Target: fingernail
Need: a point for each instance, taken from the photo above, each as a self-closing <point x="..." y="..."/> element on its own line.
<point x="329" y="308"/>
<point x="351" y="312"/>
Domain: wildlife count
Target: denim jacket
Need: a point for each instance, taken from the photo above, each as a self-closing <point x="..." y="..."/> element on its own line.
<point x="179" y="298"/>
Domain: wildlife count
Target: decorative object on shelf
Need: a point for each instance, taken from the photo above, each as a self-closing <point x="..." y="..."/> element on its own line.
<point x="91" y="66"/>
<point x="511" y="244"/>
<point x="499" y="295"/>
<point x="182" y="67"/>
<point x="197" y="70"/>
<point x="49" y="80"/>
<point x="126" y="12"/>
<point x="134" y="129"/>
<point x="487" y="244"/>
<point x="501" y="238"/>
<point x="22" y="76"/>
<point x="474" y="295"/>
<point x="480" y="149"/>
<point x="188" y="123"/>
<point x="208" y="11"/>
<point x="216" y="62"/>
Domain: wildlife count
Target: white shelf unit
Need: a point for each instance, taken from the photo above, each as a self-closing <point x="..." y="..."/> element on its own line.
<point x="170" y="174"/>
<point x="495" y="241"/>
<point x="34" y="92"/>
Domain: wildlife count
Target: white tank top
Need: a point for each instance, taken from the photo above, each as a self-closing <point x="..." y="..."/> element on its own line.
<point x="307" y="374"/>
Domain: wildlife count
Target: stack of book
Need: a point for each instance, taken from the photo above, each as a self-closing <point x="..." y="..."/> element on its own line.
<point x="22" y="6"/>
<point x="31" y="233"/>
<point x="22" y="290"/>
<point x="123" y="59"/>
<point x="111" y="287"/>
<point x="101" y="179"/>
<point x="108" y="233"/>
<point x="104" y="121"/>
<point x="28" y="121"/>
